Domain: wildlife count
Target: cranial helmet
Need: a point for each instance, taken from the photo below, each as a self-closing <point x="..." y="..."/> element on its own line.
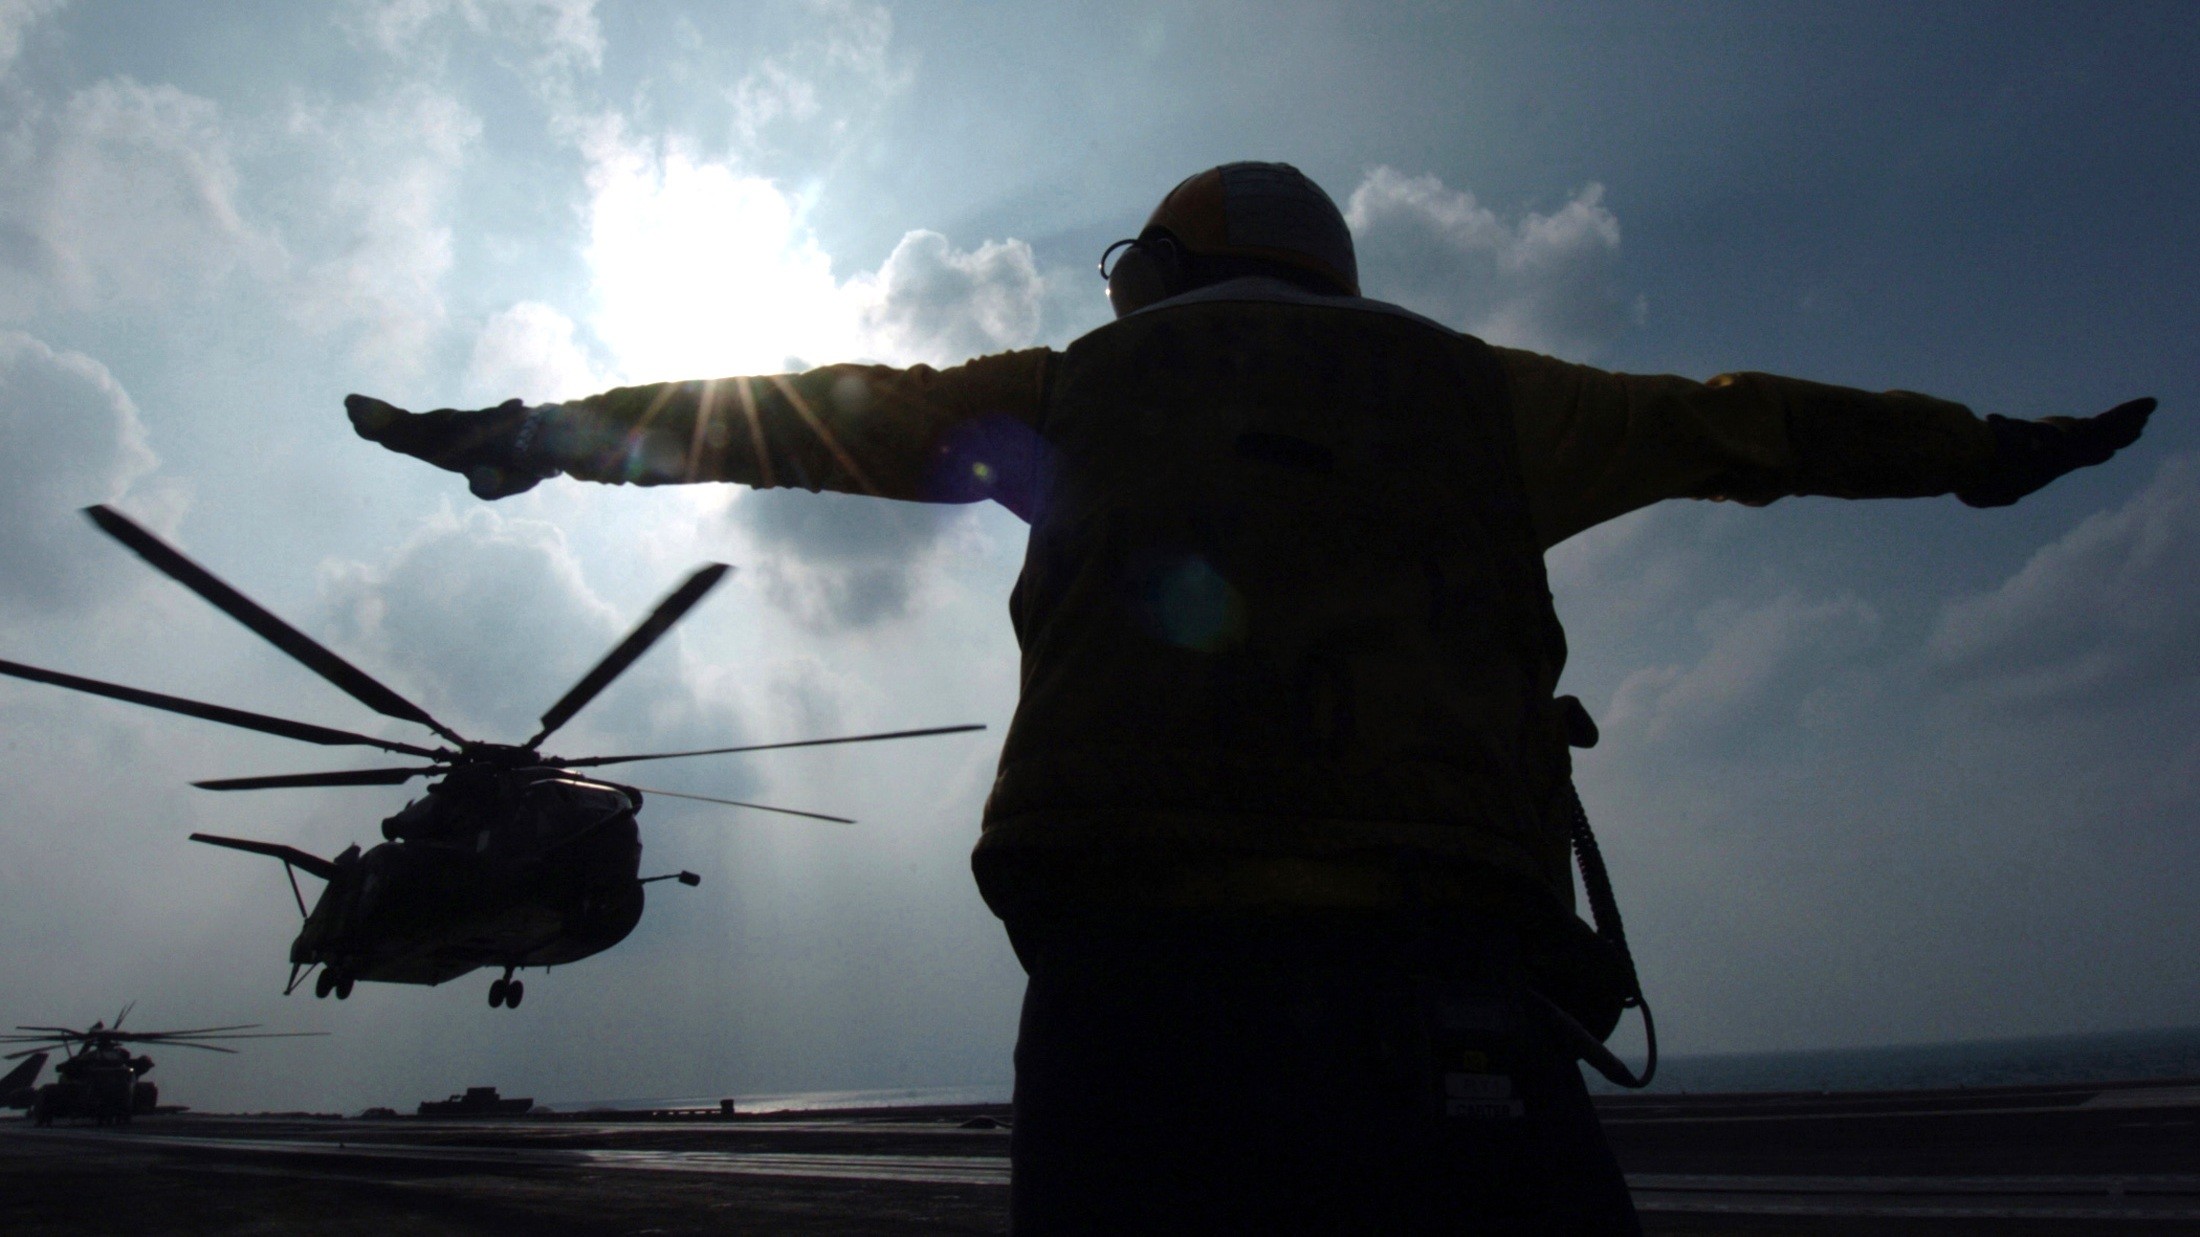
<point x="1270" y="211"/>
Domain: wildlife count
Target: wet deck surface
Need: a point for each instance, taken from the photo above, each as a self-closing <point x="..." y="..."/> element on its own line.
<point x="2122" y="1159"/>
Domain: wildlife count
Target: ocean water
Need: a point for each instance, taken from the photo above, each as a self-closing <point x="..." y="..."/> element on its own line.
<point x="804" y="1101"/>
<point x="2107" y="1057"/>
<point x="2103" y="1057"/>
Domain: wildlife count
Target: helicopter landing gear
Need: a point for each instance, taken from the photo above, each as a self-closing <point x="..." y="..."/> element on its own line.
<point x="332" y="981"/>
<point x="506" y="991"/>
<point x="343" y="988"/>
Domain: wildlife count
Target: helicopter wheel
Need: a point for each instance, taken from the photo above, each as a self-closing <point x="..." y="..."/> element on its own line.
<point x="343" y="988"/>
<point x="513" y="994"/>
<point x="323" y="984"/>
<point x="497" y="990"/>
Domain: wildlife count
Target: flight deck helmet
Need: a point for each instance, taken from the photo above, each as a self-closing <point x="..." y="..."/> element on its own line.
<point x="1227" y="217"/>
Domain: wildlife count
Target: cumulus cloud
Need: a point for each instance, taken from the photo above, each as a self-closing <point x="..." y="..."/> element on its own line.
<point x="2111" y="606"/>
<point x="377" y="225"/>
<point x="481" y="619"/>
<point x="815" y="91"/>
<point x="699" y="270"/>
<point x="486" y="621"/>
<point x="73" y="438"/>
<point x="126" y="194"/>
<point x="702" y="267"/>
<point x="932" y="302"/>
<point x="557" y="35"/>
<point x="16" y="17"/>
<point x="130" y="195"/>
<point x="836" y="561"/>
<point x="1761" y="673"/>
<point x="530" y="352"/>
<point x="701" y="264"/>
<point x="1546" y="282"/>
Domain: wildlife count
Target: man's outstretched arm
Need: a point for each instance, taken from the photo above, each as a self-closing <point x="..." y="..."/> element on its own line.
<point x="954" y="435"/>
<point x="1595" y="445"/>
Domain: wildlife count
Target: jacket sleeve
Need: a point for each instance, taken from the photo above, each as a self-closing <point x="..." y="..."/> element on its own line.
<point x="959" y="434"/>
<point x="1595" y="445"/>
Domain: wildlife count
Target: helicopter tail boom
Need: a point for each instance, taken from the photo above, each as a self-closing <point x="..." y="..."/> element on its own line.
<point x="17" y="1089"/>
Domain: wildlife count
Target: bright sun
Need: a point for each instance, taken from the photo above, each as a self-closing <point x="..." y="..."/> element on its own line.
<point x="701" y="272"/>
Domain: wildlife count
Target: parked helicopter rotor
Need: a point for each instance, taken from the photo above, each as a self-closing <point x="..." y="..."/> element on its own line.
<point x="511" y="859"/>
<point x="100" y="1077"/>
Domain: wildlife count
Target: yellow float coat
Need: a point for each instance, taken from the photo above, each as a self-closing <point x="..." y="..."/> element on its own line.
<point x="1586" y="445"/>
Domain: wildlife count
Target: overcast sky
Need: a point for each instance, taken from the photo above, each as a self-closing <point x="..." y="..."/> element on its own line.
<point x="1872" y="773"/>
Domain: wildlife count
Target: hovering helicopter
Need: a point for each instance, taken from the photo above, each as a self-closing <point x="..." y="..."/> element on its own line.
<point x="512" y="859"/>
<point x="99" y="1077"/>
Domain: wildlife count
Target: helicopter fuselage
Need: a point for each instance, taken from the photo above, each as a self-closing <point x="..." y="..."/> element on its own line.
<point x="100" y="1082"/>
<point x="501" y="867"/>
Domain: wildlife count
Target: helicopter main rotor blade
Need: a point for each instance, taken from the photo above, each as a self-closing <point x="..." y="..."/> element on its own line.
<point x="784" y="811"/>
<point x="254" y="1035"/>
<point x="184" y="1043"/>
<point x="590" y="762"/>
<point x="199" y="1037"/>
<point x="27" y="1052"/>
<point x="354" y="777"/>
<point x="241" y="1030"/>
<point x="660" y="620"/>
<point x="247" y="1035"/>
<point x="304" y="732"/>
<point x="351" y="679"/>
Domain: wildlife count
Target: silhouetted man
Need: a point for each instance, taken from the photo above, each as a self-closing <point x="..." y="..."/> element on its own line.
<point x="1282" y="830"/>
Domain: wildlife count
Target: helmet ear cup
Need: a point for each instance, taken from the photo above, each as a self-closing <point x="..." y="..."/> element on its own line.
<point x="1149" y="272"/>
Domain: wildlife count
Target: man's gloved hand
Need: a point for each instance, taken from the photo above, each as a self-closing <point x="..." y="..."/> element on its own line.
<point x="2029" y="454"/>
<point x="498" y="449"/>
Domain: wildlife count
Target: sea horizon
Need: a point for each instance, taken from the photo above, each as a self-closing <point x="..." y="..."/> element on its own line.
<point x="2081" y="1057"/>
<point x="2085" y="1057"/>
